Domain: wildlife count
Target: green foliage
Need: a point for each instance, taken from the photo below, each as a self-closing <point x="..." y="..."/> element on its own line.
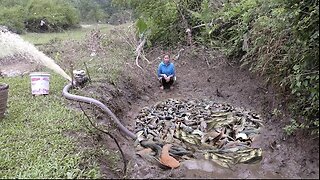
<point x="280" y="41"/>
<point x="161" y="19"/>
<point x="90" y="11"/>
<point x="12" y="3"/>
<point x="276" y="39"/>
<point x="20" y="15"/>
<point x="141" y="26"/>
<point x="56" y="14"/>
<point x="12" y="18"/>
<point x="33" y="136"/>
<point x="289" y="129"/>
<point x="73" y="34"/>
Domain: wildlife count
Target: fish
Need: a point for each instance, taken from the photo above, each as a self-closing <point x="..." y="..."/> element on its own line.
<point x="212" y="136"/>
<point x="251" y="131"/>
<point x="183" y="133"/>
<point x="216" y="159"/>
<point x="139" y="135"/>
<point x="186" y="128"/>
<point x="199" y="126"/>
<point x="242" y="136"/>
<point x="197" y="132"/>
<point x="203" y="125"/>
<point x="150" y="144"/>
<point x="221" y="156"/>
<point x="220" y="114"/>
<point x="253" y="156"/>
<point x="189" y="140"/>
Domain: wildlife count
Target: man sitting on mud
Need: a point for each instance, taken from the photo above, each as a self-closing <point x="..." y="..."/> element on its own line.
<point x="166" y="73"/>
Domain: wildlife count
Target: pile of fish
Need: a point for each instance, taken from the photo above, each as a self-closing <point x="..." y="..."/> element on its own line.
<point x="198" y="128"/>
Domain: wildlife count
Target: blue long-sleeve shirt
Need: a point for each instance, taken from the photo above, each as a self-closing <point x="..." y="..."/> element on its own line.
<point x="167" y="69"/>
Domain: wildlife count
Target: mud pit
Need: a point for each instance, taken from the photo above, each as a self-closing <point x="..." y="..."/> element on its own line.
<point x="204" y="74"/>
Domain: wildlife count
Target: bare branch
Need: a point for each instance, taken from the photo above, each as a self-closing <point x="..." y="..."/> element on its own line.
<point x="138" y="51"/>
<point x="144" y="57"/>
<point x="200" y="25"/>
<point x="111" y="136"/>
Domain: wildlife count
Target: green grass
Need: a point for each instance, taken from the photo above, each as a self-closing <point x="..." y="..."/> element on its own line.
<point x="74" y="34"/>
<point x="33" y="143"/>
<point x="33" y="140"/>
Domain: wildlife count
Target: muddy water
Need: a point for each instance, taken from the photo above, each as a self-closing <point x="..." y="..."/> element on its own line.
<point x="199" y="168"/>
<point x="209" y="169"/>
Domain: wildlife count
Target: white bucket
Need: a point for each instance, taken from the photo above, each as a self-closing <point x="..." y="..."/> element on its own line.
<point x="40" y="83"/>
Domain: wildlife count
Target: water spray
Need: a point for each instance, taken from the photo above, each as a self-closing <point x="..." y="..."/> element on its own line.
<point x="12" y="44"/>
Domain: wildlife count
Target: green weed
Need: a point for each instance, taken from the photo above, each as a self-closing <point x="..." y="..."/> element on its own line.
<point x="32" y="136"/>
<point x="75" y="34"/>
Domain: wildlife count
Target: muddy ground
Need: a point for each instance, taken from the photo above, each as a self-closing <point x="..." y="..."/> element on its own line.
<point x="206" y="74"/>
<point x="201" y="74"/>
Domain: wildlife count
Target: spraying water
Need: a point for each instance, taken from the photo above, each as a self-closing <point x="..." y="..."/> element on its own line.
<point x="12" y="44"/>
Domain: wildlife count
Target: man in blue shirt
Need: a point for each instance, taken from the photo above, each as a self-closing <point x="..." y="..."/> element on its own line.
<point x="166" y="73"/>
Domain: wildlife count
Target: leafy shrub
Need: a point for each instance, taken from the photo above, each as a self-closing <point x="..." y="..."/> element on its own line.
<point x="12" y="17"/>
<point x="280" y="41"/>
<point x="276" y="39"/>
<point x="90" y="10"/>
<point x="55" y="14"/>
<point x="37" y="15"/>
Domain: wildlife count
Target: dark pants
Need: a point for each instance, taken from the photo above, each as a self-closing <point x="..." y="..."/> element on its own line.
<point x="165" y="84"/>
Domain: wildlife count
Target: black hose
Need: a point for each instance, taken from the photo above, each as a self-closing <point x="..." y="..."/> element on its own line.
<point x="88" y="100"/>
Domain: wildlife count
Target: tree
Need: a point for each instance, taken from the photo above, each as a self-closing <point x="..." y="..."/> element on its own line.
<point x="52" y="15"/>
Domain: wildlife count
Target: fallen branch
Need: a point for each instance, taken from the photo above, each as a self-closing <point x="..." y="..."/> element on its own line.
<point x="111" y="136"/>
<point x="197" y="26"/>
<point x="204" y="24"/>
<point x="207" y="62"/>
<point x="144" y="57"/>
<point x="138" y="52"/>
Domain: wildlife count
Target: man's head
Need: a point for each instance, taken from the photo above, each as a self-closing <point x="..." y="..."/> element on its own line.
<point x="166" y="58"/>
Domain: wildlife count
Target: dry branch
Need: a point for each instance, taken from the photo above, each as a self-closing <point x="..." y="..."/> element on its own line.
<point x="144" y="57"/>
<point x="111" y="136"/>
<point x="138" y="51"/>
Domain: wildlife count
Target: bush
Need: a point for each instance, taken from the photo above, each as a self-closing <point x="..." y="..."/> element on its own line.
<point x="276" y="39"/>
<point x="53" y="15"/>
<point x="90" y="11"/>
<point x="12" y="18"/>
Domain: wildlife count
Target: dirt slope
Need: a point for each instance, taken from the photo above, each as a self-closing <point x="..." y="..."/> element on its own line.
<point x="206" y="74"/>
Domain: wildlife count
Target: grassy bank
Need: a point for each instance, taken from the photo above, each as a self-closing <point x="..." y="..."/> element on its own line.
<point x="35" y="140"/>
<point x="33" y="134"/>
<point x="75" y="34"/>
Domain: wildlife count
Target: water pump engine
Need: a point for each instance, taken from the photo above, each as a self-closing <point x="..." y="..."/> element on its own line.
<point x="80" y="78"/>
